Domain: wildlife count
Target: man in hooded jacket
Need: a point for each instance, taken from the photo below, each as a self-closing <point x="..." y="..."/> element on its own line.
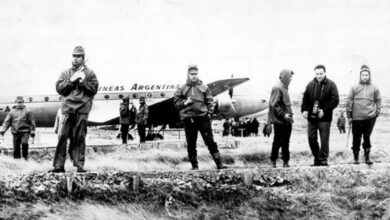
<point x="364" y="104"/>
<point x="195" y="102"/>
<point x="22" y="124"/>
<point x="77" y="86"/>
<point x="319" y="99"/>
<point x="281" y="116"/>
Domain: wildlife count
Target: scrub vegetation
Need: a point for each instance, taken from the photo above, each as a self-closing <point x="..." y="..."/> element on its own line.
<point x="340" y="191"/>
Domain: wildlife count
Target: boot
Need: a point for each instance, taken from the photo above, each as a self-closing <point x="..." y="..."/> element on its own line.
<point x="218" y="162"/>
<point x="194" y="163"/>
<point x="25" y="151"/>
<point x="367" y="156"/>
<point x="273" y="163"/>
<point x="57" y="170"/>
<point x="356" y="157"/>
<point x="286" y="165"/>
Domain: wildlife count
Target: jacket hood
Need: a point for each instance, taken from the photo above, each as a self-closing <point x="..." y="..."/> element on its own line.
<point x="285" y="77"/>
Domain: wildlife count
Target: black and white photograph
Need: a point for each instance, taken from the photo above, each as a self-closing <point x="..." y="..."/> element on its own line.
<point x="184" y="109"/>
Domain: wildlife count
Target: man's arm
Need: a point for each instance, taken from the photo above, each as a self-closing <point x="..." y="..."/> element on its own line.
<point x="90" y="84"/>
<point x="334" y="99"/>
<point x="7" y="123"/>
<point x="275" y="102"/>
<point x="30" y="118"/>
<point x="146" y="112"/>
<point x="178" y="100"/>
<point x="305" y="100"/>
<point x="349" y="106"/>
<point x="64" y="85"/>
<point x="209" y="101"/>
<point x="378" y="101"/>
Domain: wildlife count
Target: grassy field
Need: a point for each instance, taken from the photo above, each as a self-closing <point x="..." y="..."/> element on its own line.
<point x="341" y="191"/>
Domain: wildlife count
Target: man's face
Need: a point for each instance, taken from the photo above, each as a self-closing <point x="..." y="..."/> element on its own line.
<point x="19" y="102"/>
<point x="77" y="60"/>
<point x="320" y="74"/>
<point x="193" y="74"/>
<point x="141" y="101"/>
<point x="364" y="76"/>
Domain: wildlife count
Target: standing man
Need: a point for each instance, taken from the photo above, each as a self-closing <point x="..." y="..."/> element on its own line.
<point x="195" y="102"/>
<point x="341" y="123"/>
<point x="319" y="99"/>
<point x="22" y="125"/>
<point x="281" y="116"/>
<point x="141" y="119"/>
<point x="77" y="87"/>
<point x="363" y="107"/>
<point x="124" y="118"/>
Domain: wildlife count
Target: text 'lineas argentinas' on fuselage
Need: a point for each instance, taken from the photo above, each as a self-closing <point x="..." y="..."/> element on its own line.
<point x="138" y="87"/>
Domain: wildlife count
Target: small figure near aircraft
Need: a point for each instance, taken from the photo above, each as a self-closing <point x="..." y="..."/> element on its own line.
<point x="22" y="123"/>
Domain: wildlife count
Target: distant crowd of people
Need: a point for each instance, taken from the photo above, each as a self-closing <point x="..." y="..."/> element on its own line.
<point x="241" y="127"/>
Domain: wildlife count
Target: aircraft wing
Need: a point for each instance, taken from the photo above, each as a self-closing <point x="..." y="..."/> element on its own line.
<point x="221" y="86"/>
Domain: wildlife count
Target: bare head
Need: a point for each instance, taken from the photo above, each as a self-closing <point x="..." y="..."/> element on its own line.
<point x="320" y="72"/>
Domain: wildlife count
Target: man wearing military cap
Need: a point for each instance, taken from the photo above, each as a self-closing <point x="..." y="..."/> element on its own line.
<point x="77" y="86"/>
<point x="22" y="125"/>
<point x="195" y="102"/>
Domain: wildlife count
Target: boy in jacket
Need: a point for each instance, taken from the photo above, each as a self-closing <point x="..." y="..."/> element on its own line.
<point x="319" y="99"/>
<point x="363" y="107"/>
<point x="22" y="123"/>
<point x="281" y="116"/>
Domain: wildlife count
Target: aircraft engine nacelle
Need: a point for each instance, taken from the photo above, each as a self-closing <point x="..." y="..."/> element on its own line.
<point x="224" y="105"/>
<point x="238" y="106"/>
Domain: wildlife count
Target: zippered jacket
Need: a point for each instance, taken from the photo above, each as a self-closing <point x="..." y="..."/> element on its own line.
<point x="203" y="100"/>
<point x="364" y="102"/>
<point x="77" y="96"/>
<point x="20" y="119"/>
<point x="327" y="95"/>
<point x="279" y="102"/>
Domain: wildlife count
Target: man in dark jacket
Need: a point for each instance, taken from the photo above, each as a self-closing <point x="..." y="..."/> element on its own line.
<point x="124" y="118"/>
<point x="22" y="124"/>
<point x="142" y="119"/>
<point x="319" y="99"/>
<point x="195" y="102"/>
<point x="363" y="107"/>
<point x="77" y="87"/>
<point x="281" y="116"/>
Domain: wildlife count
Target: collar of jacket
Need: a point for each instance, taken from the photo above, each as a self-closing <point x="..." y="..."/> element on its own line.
<point x="196" y="83"/>
<point x="283" y="85"/>
<point x="19" y="106"/>
<point x="324" y="81"/>
<point x="365" y="83"/>
<point x="76" y="68"/>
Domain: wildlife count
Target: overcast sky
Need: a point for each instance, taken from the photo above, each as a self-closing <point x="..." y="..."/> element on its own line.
<point x="154" y="41"/>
